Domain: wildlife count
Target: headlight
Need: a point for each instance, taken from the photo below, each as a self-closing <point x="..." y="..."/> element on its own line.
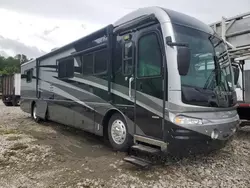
<point x="184" y="120"/>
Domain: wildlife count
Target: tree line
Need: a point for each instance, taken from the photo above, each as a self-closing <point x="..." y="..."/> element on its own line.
<point x="11" y="65"/>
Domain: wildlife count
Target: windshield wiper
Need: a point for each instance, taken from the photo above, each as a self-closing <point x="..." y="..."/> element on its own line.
<point x="209" y="79"/>
<point x="214" y="74"/>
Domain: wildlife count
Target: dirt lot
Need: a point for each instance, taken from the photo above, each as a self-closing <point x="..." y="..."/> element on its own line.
<point x="52" y="155"/>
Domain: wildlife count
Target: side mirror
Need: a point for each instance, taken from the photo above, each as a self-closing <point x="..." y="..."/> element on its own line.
<point x="183" y="59"/>
<point x="236" y="72"/>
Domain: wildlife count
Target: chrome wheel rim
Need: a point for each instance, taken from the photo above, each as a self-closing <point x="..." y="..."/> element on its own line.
<point x="118" y="132"/>
<point x="34" y="112"/>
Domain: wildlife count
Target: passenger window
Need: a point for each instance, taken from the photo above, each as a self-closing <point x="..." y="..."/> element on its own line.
<point x="127" y="64"/>
<point x="101" y="62"/>
<point x="29" y="75"/>
<point x="88" y="64"/>
<point x="66" y="68"/>
<point x="149" y="56"/>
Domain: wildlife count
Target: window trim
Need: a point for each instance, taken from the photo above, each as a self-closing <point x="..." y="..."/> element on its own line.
<point x="107" y="63"/>
<point x="157" y="34"/>
<point x="125" y="59"/>
<point x="27" y="75"/>
<point x="90" y="53"/>
<point x="61" y="61"/>
<point x="93" y="59"/>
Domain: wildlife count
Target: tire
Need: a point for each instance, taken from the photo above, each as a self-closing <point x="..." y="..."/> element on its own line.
<point x="34" y="114"/>
<point x="46" y="116"/>
<point x="15" y="102"/>
<point x="18" y="102"/>
<point x="121" y="140"/>
<point x="8" y="104"/>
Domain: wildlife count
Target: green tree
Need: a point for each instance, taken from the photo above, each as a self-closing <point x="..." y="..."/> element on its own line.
<point x="22" y="58"/>
<point x="11" y="65"/>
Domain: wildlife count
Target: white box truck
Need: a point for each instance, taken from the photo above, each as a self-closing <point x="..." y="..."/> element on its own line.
<point x="11" y="87"/>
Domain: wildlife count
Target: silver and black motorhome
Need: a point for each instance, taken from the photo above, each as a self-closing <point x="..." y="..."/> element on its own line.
<point x="156" y="77"/>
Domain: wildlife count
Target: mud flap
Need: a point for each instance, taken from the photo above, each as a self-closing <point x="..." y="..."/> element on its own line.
<point x="41" y="109"/>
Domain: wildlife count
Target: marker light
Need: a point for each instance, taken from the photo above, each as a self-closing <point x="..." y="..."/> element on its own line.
<point x="215" y="134"/>
<point x="127" y="37"/>
<point x="184" y="120"/>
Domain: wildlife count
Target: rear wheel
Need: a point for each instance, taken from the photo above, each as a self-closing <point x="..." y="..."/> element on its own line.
<point x="34" y="113"/>
<point x="7" y="103"/>
<point x="15" y="102"/>
<point x="118" y="135"/>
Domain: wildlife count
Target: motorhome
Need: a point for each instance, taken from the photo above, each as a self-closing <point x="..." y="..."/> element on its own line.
<point x="139" y="83"/>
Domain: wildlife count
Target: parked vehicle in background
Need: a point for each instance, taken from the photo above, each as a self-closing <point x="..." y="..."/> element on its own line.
<point x="236" y="32"/>
<point x="138" y="82"/>
<point x="243" y="89"/>
<point x="11" y="87"/>
<point x="1" y="87"/>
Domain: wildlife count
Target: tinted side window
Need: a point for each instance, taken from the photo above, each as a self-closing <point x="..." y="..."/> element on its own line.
<point x="66" y="68"/>
<point x="29" y="75"/>
<point x="101" y="62"/>
<point x="87" y="63"/>
<point x="128" y="58"/>
<point x="149" y="56"/>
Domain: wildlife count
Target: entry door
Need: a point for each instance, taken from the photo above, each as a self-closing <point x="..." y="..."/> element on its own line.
<point x="148" y="83"/>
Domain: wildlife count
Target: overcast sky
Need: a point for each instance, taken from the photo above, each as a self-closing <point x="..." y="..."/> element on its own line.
<point x="35" y="27"/>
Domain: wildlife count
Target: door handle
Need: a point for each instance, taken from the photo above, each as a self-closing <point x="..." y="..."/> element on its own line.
<point x="130" y="87"/>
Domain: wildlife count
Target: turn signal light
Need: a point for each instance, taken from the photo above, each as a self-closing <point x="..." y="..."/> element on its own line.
<point x="184" y="120"/>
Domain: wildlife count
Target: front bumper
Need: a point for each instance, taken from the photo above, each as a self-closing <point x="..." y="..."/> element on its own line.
<point x="194" y="143"/>
<point x="199" y="139"/>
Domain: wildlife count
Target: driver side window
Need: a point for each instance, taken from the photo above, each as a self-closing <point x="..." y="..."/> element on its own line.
<point x="149" y="56"/>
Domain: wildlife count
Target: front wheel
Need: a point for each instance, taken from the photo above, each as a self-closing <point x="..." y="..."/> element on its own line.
<point x="34" y="114"/>
<point x="118" y="135"/>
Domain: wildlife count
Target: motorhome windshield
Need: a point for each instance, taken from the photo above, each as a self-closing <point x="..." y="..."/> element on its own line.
<point x="209" y="81"/>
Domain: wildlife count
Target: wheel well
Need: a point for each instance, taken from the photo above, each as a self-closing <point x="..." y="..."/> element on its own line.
<point x="105" y="121"/>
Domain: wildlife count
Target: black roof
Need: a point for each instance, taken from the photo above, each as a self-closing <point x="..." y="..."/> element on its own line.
<point x="72" y="44"/>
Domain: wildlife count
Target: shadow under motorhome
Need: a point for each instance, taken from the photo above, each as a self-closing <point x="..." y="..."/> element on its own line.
<point x="132" y="83"/>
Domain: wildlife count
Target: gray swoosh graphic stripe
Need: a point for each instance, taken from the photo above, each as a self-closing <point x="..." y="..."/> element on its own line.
<point x="49" y="78"/>
<point x="58" y="91"/>
<point x="117" y="92"/>
<point x="117" y="89"/>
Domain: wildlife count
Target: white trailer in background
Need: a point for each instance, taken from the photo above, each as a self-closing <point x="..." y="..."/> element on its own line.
<point x="236" y="32"/>
<point x="11" y="87"/>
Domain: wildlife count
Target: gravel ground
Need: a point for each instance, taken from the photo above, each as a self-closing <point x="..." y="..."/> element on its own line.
<point x="52" y="155"/>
